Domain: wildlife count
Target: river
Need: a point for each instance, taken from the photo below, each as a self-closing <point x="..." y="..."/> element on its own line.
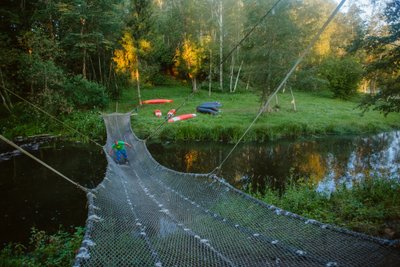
<point x="31" y="195"/>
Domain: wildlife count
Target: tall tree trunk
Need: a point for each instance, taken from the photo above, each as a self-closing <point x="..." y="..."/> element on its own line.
<point x="93" y="76"/>
<point x="138" y="79"/>
<point x="5" y="97"/>
<point x="210" y="75"/>
<point x="4" y="102"/>
<point x="110" y="71"/>
<point x="221" y="33"/>
<point x="45" y="78"/>
<point x="231" y="76"/>
<point x="194" y="84"/>
<point x="84" y="50"/>
<point x="100" y="66"/>
<point x="84" y="63"/>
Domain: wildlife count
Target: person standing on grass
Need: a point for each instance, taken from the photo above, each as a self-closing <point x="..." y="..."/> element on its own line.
<point x="119" y="148"/>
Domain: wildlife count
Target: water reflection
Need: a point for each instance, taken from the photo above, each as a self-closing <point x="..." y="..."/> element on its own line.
<point x="326" y="162"/>
<point x="33" y="196"/>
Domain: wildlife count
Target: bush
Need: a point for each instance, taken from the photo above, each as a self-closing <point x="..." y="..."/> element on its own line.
<point x="343" y="74"/>
<point x="372" y="206"/>
<point x="44" y="250"/>
<point x="85" y="94"/>
<point x="308" y="80"/>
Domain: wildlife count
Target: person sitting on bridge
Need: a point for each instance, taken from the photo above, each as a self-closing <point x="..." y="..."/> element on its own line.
<point x="119" y="148"/>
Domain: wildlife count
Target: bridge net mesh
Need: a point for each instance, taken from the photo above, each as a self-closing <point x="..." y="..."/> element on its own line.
<point x="144" y="214"/>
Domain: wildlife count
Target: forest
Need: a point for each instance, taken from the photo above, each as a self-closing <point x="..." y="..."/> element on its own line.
<point x="68" y="56"/>
<point x="71" y="60"/>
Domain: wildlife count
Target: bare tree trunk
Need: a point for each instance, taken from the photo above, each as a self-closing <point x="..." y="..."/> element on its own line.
<point x="4" y="102"/>
<point x="237" y="76"/>
<point x="100" y="66"/>
<point x="93" y="76"/>
<point x="84" y="63"/>
<point x="194" y="84"/>
<point x="221" y="33"/>
<point x="138" y="80"/>
<point x="45" y="78"/>
<point x="5" y="98"/>
<point x="110" y="70"/>
<point x="210" y="75"/>
<point x="84" y="50"/>
<point x="115" y="82"/>
<point x="231" y="76"/>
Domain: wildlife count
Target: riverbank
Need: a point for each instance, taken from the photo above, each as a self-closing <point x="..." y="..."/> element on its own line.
<point x="317" y="114"/>
<point x="371" y="206"/>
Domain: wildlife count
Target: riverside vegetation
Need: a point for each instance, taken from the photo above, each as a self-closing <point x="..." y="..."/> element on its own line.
<point x="371" y="207"/>
<point x="317" y="114"/>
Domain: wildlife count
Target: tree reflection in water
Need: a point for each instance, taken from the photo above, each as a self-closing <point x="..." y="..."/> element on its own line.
<point x="326" y="162"/>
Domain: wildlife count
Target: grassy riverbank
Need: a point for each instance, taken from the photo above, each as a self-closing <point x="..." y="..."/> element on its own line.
<point x="371" y="206"/>
<point x="317" y="114"/>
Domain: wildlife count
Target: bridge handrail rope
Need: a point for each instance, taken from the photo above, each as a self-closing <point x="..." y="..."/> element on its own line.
<point x="43" y="163"/>
<point x="162" y="124"/>
<point x="305" y="52"/>
<point x="53" y="117"/>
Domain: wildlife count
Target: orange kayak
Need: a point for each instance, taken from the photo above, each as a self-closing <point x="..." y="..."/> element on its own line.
<point x="157" y="101"/>
<point x="182" y="117"/>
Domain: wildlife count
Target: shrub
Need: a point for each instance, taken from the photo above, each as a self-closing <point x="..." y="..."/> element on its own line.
<point x="343" y="75"/>
<point x="85" y="94"/>
<point x="308" y="80"/>
<point x="43" y="250"/>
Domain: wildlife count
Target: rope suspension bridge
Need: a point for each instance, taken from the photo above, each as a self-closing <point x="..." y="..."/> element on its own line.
<point x="144" y="214"/>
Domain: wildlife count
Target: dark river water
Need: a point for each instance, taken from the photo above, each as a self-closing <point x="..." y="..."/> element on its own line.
<point x="31" y="195"/>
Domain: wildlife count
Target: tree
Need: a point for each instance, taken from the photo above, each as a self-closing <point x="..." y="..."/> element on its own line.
<point x="88" y="32"/>
<point x="386" y="66"/>
<point x="272" y="47"/>
<point x="127" y="58"/>
<point x="190" y="58"/>
<point x="343" y="75"/>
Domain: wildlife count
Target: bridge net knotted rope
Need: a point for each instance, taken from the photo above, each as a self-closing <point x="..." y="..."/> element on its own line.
<point x="144" y="214"/>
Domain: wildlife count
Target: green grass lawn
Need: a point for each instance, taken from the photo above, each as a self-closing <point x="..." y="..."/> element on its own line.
<point x="317" y="114"/>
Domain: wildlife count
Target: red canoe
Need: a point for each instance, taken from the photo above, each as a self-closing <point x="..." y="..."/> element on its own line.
<point x="157" y="101"/>
<point x="182" y="117"/>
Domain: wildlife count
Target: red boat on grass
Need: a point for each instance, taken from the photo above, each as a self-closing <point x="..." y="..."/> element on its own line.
<point x="182" y="117"/>
<point x="157" y="101"/>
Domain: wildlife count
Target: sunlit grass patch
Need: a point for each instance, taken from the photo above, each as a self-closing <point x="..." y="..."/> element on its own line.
<point x="316" y="114"/>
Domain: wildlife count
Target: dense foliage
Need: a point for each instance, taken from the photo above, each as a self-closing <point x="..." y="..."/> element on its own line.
<point x="55" y="52"/>
<point x="384" y="49"/>
<point x="43" y="250"/>
<point x="343" y="76"/>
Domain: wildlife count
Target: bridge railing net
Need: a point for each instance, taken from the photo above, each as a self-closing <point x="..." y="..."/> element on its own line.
<point x="144" y="214"/>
